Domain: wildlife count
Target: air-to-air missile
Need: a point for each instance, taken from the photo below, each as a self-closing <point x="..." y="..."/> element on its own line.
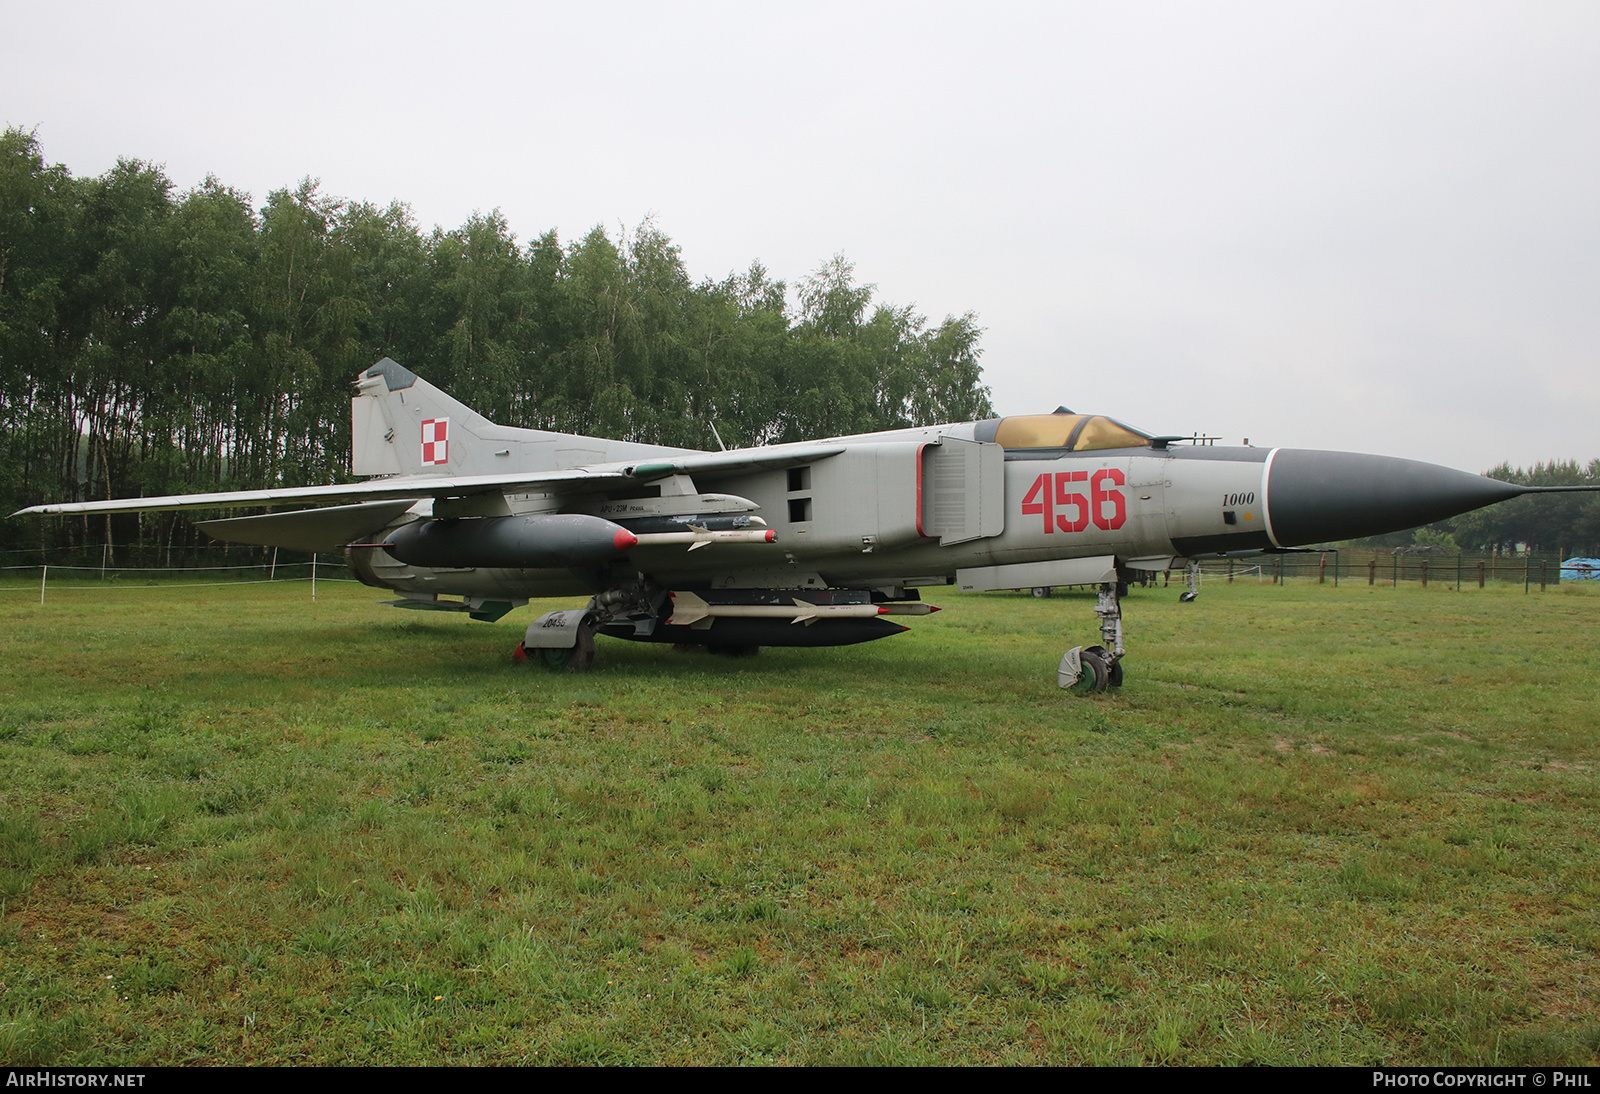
<point x="689" y="609"/>
<point x="665" y="543"/>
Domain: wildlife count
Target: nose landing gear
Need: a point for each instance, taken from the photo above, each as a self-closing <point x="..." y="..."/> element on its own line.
<point x="1098" y="667"/>
<point x="1191" y="578"/>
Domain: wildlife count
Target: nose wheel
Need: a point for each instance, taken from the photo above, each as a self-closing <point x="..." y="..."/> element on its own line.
<point x="1083" y="671"/>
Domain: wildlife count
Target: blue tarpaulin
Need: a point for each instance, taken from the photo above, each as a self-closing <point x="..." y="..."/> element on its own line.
<point x="1580" y="568"/>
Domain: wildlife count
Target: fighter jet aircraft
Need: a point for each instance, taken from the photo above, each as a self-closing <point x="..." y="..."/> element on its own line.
<point x="824" y="543"/>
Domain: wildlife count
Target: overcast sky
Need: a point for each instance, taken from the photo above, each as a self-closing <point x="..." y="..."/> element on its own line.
<point x="1372" y="227"/>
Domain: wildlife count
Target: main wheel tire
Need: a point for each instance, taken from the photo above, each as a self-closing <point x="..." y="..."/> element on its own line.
<point x="578" y="657"/>
<point x="582" y="659"/>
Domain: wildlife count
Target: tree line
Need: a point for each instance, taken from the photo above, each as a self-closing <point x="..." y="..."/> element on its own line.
<point x="160" y="342"/>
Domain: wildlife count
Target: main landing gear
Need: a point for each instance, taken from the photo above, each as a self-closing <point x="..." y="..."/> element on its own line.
<point x="561" y="640"/>
<point x="1095" y="668"/>
<point x="578" y="657"/>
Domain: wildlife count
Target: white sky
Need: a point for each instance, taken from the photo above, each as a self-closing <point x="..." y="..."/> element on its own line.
<point x="1361" y="226"/>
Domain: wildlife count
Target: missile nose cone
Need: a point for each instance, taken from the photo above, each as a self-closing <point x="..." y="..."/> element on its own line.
<point x="1318" y="497"/>
<point x="624" y="540"/>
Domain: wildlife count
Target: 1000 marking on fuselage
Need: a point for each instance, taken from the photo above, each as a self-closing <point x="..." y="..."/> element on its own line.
<point x="1064" y="507"/>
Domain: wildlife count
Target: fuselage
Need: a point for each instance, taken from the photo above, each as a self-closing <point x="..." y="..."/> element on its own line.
<point x="915" y="507"/>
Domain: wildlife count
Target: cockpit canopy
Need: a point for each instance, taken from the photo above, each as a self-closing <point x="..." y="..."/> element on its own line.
<point x="1072" y="432"/>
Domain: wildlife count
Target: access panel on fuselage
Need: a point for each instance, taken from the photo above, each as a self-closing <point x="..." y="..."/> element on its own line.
<point x="962" y="495"/>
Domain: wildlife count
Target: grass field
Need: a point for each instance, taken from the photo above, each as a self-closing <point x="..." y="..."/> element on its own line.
<point x="1350" y="826"/>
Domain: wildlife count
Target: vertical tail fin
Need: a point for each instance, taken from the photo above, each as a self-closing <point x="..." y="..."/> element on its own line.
<point x="403" y="425"/>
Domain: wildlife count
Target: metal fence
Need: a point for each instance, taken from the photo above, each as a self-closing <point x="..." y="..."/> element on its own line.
<point x="1366" y="566"/>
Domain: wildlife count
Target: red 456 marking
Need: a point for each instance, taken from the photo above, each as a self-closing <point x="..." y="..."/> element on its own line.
<point x="1053" y="498"/>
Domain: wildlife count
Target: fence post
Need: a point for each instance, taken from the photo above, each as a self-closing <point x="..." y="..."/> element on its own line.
<point x="1424" y="573"/>
<point x="42" y="575"/>
<point x="1527" y="572"/>
<point x="1396" y="581"/>
<point x="1336" y="557"/>
<point x="1480" y="573"/>
<point x="1230" y="571"/>
<point x="1458" y="573"/>
<point x="1322" y="569"/>
<point x="272" y="575"/>
<point x="1277" y="572"/>
<point x="1372" y="571"/>
<point x="313" y="576"/>
<point x="1544" y="572"/>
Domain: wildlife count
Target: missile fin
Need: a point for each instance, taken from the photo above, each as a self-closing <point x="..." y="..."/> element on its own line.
<point x="688" y="609"/>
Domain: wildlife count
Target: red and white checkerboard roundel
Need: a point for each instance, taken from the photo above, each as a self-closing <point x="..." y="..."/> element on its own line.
<point x="436" y="441"/>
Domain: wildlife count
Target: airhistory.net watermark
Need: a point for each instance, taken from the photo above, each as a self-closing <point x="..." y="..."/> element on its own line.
<point x="44" y="1077"/>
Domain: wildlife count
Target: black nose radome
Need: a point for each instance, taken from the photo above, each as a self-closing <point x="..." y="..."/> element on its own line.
<point x="1319" y="497"/>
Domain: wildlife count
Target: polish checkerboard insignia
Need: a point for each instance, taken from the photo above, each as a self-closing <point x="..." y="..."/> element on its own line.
<point x="436" y="441"/>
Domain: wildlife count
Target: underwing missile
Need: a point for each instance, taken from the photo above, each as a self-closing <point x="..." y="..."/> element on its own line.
<point x="702" y="537"/>
<point x="908" y="608"/>
<point x="688" y="609"/>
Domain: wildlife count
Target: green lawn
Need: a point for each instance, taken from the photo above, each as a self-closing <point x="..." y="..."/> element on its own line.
<point x="1349" y="826"/>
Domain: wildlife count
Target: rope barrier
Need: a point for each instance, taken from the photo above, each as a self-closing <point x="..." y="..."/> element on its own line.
<point x="111" y="582"/>
<point x="163" y="569"/>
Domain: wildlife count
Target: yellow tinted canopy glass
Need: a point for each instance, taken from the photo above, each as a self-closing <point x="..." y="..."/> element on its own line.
<point x="1074" y="432"/>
